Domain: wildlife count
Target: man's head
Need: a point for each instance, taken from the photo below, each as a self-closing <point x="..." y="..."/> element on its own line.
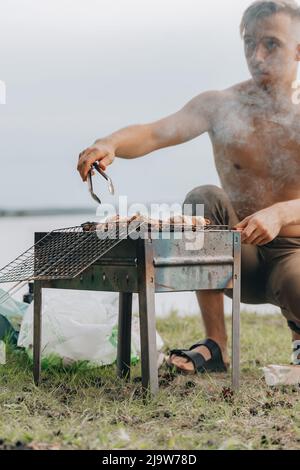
<point x="271" y="33"/>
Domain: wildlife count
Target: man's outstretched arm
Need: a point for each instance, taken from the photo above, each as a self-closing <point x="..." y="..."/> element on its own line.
<point x="135" y="141"/>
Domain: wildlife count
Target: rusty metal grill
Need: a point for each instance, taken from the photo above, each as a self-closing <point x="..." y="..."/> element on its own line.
<point x="66" y="253"/>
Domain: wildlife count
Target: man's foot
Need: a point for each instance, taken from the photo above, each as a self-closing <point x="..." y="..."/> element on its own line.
<point x="207" y="356"/>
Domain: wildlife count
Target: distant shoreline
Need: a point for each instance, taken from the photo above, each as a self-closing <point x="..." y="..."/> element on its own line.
<point x="45" y="212"/>
<point x="53" y="211"/>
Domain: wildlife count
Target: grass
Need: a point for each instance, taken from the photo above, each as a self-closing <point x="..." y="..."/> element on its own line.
<point x="92" y="409"/>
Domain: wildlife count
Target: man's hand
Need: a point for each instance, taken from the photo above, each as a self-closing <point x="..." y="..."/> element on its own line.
<point x="262" y="227"/>
<point x="100" y="152"/>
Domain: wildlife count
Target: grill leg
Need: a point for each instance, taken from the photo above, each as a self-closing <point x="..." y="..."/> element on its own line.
<point x="37" y="330"/>
<point x="236" y="313"/>
<point x="147" y="317"/>
<point x="124" y="335"/>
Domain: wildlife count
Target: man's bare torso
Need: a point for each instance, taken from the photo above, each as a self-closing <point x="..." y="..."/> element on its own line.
<point x="256" y="144"/>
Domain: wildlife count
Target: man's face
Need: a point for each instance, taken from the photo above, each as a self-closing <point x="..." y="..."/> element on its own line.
<point x="272" y="49"/>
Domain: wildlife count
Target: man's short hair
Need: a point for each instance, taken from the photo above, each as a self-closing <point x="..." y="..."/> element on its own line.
<point x="264" y="8"/>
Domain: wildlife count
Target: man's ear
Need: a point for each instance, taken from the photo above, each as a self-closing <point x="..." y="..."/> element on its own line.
<point x="297" y="58"/>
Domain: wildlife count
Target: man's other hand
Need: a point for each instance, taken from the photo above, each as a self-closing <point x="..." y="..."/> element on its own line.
<point x="262" y="227"/>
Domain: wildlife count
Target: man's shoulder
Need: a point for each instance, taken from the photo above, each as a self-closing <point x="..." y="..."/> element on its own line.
<point x="217" y="102"/>
<point x="238" y="89"/>
<point x="234" y="92"/>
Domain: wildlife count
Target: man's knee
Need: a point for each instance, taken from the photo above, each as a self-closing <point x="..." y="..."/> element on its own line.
<point x="211" y="202"/>
<point x="202" y="194"/>
<point x="202" y="199"/>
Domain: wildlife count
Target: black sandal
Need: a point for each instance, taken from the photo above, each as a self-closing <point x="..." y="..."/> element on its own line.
<point x="214" y="364"/>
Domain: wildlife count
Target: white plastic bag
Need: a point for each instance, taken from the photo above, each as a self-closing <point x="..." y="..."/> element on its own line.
<point x="2" y="353"/>
<point x="12" y="309"/>
<point x="281" y="375"/>
<point x="78" y="326"/>
<point x="136" y="342"/>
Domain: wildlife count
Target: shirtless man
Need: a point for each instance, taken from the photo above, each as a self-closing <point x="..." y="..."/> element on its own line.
<point x="254" y="128"/>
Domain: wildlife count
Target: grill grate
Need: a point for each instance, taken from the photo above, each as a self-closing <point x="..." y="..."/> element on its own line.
<point x="66" y="253"/>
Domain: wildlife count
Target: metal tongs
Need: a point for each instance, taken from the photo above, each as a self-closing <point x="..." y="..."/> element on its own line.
<point x="90" y="182"/>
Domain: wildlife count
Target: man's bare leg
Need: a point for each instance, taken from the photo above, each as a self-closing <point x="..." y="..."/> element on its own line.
<point x="212" y="307"/>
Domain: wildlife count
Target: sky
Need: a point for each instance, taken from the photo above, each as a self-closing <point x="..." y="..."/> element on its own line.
<point x="79" y="70"/>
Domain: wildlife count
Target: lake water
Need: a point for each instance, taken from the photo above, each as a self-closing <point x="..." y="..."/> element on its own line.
<point x="16" y="235"/>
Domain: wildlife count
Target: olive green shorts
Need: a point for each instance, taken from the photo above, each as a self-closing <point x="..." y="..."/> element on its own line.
<point x="269" y="273"/>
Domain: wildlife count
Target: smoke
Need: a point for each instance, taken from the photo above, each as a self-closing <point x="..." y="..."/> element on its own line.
<point x="256" y="143"/>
